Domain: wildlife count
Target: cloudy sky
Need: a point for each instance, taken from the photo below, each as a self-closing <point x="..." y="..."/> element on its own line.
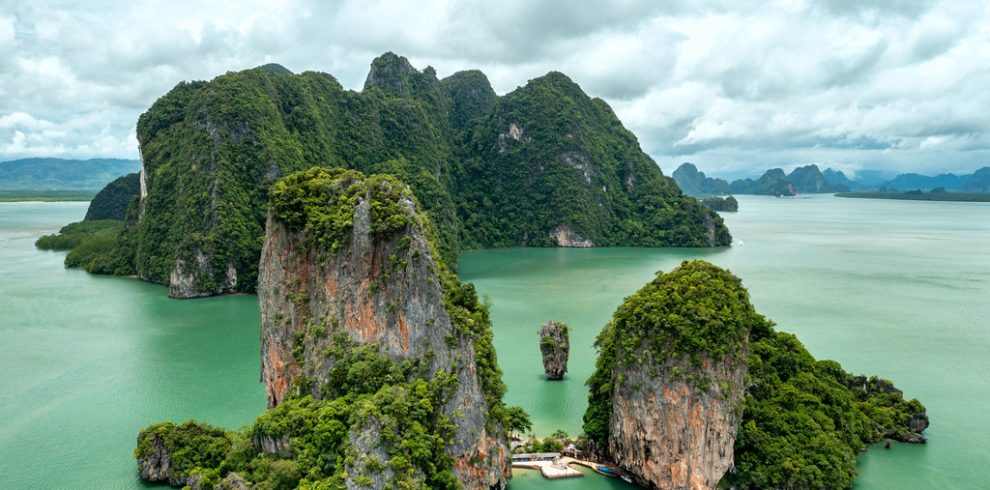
<point x="736" y="87"/>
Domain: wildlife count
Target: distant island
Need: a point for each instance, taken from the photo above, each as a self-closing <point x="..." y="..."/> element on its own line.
<point x="937" y="194"/>
<point x="726" y="204"/>
<point x="51" y="178"/>
<point x="46" y="196"/>
<point x="810" y="179"/>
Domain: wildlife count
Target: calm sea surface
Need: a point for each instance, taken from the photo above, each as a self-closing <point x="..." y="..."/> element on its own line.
<point x="895" y="288"/>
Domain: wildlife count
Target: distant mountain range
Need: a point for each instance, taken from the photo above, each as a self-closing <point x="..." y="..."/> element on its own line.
<point x="47" y="174"/>
<point x="809" y="179"/>
<point x="978" y="181"/>
<point x="774" y="182"/>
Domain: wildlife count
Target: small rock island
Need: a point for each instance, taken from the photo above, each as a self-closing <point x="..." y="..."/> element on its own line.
<point x="726" y="204"/>
<point x="693" y="389"/>
<point x="555" y="346"/>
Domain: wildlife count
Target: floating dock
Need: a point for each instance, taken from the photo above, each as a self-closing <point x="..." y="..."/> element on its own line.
<point x="550" y="465"/>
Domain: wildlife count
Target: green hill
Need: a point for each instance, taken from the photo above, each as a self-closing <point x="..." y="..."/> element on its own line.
<point x="544" y="165"/>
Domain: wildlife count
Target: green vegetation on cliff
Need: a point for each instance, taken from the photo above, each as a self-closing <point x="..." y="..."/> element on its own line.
<point x="803" y="420"/>
<point x="568" y="174"/>
<point x="310" y="441"/>
<point x="806" y="420"/>
<point x="550" y="158"/>
<point x="322" y="202"/>
<point x="697" y="312"/>
<point x="373" y="420"/>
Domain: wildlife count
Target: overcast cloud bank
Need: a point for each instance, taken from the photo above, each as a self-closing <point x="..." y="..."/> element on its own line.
<point x="735" y="87"/>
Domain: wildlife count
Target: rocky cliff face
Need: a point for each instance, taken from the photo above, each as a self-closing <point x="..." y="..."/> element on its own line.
<point x="668" y="388"/>
<point x="685" y="441"/>
<point x="554" y="345"/>
<point x="371" y="277"/>
<point x="163" y="456"/>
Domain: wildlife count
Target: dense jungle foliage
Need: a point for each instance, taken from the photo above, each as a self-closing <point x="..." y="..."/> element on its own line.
<point x="803" y="420"/>
<point x="380" y="397"/>
<point x="212" y="149"/>
<point x="112" y="202"/>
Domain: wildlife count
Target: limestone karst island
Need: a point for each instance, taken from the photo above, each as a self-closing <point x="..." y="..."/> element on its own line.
<point x="460" y="245"/>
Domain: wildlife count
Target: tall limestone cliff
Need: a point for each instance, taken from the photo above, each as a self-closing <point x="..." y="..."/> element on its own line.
<point x="348" y="256"/>
<point x="377" y="361"/>
<point x="668" y="388"/>
<point x="544" y="165"/>
<point x="555" y="345"/>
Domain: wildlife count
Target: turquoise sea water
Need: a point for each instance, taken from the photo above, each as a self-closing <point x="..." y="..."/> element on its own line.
<point x="895" y="288"/>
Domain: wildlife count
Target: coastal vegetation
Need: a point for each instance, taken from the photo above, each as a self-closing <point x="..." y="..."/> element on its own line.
<point x="98" y="244"/>
<point x="72" y="235"/>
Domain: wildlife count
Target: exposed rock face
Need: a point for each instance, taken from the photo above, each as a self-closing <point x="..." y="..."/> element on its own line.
<point x="554" y="345"/>
<point x="391" y="72"/>
<point x="670" y="380"/>
<point x="184" y="281"/>
<point x="156" y="467"/>
<point x="163" y="452"/>
<point x="670" y="434"/>
<point x="377" y="287"/>
<point x="232" y="481"/>
<point x="566" y="237"/>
